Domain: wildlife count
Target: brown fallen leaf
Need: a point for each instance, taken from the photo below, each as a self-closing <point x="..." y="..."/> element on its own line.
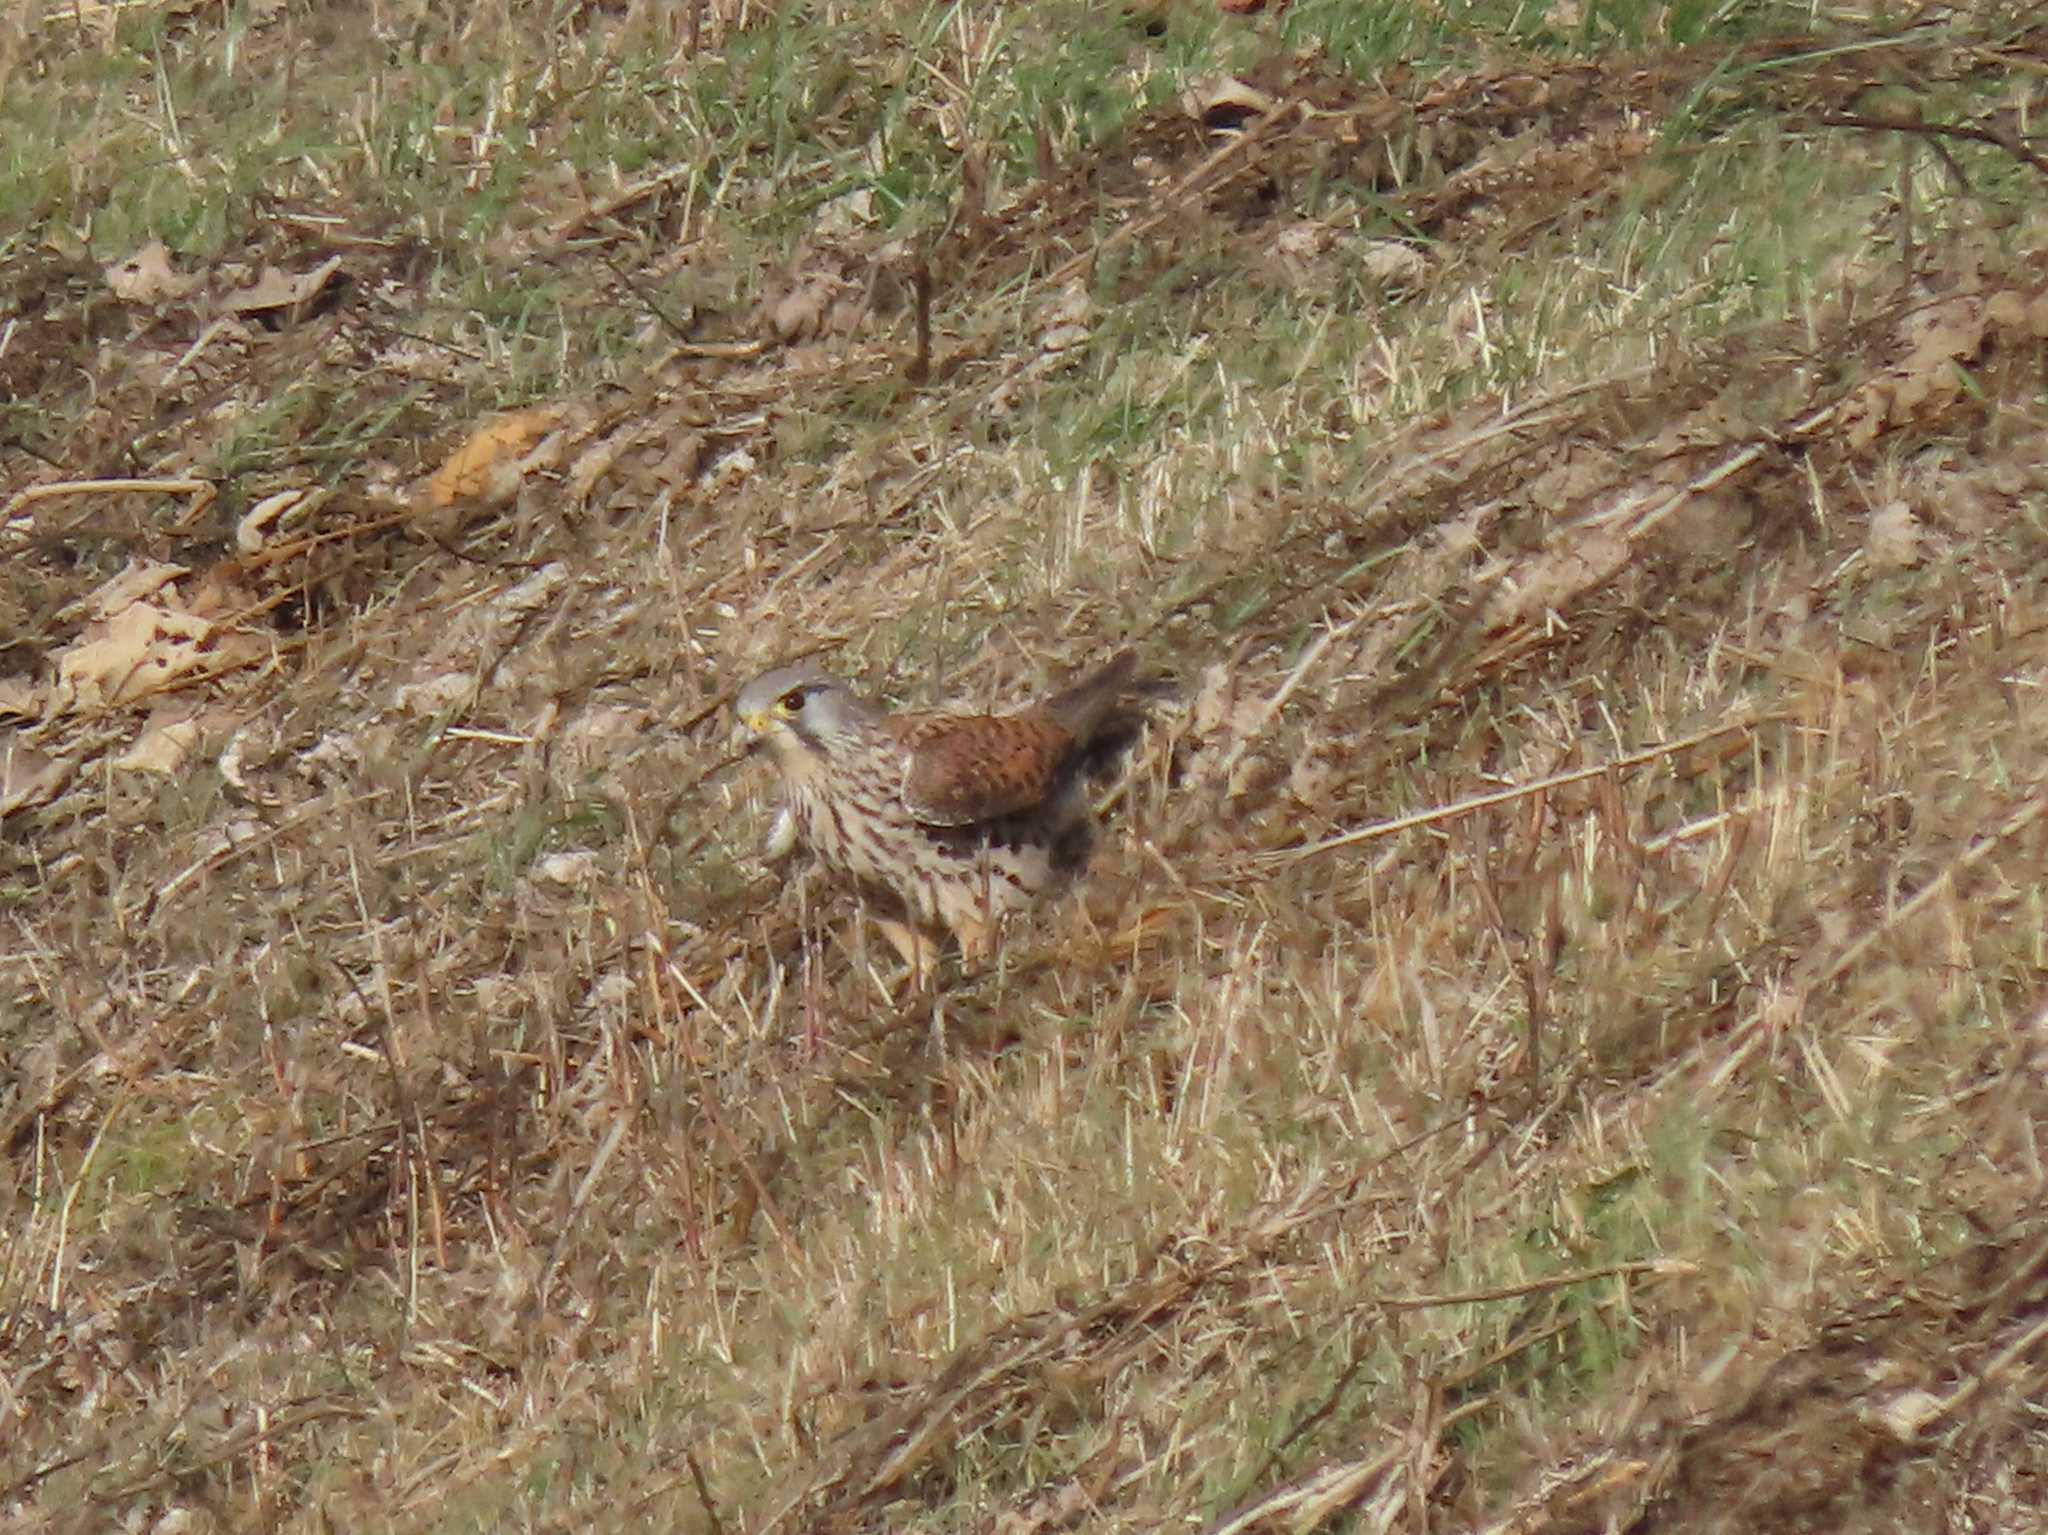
<point x="221" y="594"/>
<point x="1393" y="262"/>
<point x="27" y="776"/>
<point x="489" y="467"/>
<point x="1895" y="537"/>
<point x="167" y="739"/>
<point x="143" y="636"/>
<point x="141" y="650"/>
<point x="815" y="304"/>
<point x="19" y="696"/>
<point x="1940" y="340"/>
<point x="1225" y="100"/>
<point x="136" y="581"/>
<point x="147" y="277"/>
<point x="275" y="289"/>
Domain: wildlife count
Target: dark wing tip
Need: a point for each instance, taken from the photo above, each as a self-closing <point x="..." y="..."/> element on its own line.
<point x="1081" y="709"/>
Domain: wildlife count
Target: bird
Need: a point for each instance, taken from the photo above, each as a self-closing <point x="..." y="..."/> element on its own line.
<point x="954" y="821"/>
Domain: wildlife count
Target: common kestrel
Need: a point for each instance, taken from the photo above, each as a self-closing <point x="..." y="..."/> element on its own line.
<point x="956" y="820"/>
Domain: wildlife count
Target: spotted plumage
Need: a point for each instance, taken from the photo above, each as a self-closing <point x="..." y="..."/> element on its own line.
<point x="957" y="820"/>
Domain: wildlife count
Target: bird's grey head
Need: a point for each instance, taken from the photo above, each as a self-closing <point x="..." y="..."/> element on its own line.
<point x="801" y="705"/>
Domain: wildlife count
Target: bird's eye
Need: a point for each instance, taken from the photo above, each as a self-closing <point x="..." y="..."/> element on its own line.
<point x="791" y="702"/>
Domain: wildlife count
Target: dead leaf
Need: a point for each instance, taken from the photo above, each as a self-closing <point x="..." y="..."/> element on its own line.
<point x="1304" y="239"/>
<point x="1225" y="100"/>
<point x="167" y="739"/>
<point x="1895" y="537"/>
<point x="1940" y="340"/>
<point x="732" y="468"/>
<point x="20" y="696"/>
<point x="137" y="580"/>
<point x="147" y="277"/>
<point x="435" y="695"/>
<point x="534" y="592"/>
<point x="815" y="304"/>
<point x="489" y="467"/>
<point x="141" y="650"/>
<point x="1069" y="320"/>
<point x="142" y="637"/>
<point x="1064" y="338"/>
<point x="578" y="868"/>
<point x="845" y="215"/>
<point x="339" y="754"/>
<point x="1393" y="262"/>
<point x="1906" y="1414"/>
<point x="277" y="289"/>
<point x="1951" y="330"/>
<point x="223" y="593"/>
<point x="27" y="776"/>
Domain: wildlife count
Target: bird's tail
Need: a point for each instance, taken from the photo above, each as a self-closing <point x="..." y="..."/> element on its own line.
<point x="1083" y="708"/>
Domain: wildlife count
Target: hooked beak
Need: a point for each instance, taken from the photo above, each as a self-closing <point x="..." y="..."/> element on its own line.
<point x="749" y="732"/>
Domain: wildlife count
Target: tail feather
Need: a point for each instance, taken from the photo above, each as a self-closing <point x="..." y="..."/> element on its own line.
<point x="1082" y="708"/>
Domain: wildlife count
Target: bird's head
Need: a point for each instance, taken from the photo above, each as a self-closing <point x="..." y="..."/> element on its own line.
<point x="799" y="710"/>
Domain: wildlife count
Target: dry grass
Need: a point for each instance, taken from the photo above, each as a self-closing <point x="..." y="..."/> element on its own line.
<point x="1618" y="469"/>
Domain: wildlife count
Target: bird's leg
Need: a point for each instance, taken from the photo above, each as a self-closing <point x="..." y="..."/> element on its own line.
<point x="918" y="951"/>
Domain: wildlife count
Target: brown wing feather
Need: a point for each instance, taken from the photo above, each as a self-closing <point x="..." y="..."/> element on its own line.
<point x="1082" y="708"/>
<point x="962" y="768"/>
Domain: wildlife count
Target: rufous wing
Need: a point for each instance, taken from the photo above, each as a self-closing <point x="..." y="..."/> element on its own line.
<point x="961" y="768"/>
